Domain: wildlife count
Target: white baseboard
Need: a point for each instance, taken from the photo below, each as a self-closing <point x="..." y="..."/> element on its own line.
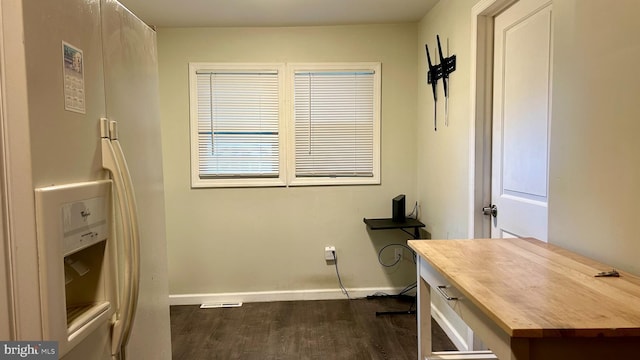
<point x="458" y="339"/>
<point x="265" y="296"/>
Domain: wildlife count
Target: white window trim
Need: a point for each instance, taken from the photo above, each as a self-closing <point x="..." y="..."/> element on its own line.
<point x="292" y="180"/>
<point x="287" y="176"/>
<point x="196" y="181"/>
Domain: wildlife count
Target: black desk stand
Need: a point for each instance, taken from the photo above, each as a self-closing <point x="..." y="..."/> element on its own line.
<point x="385" y="224"/>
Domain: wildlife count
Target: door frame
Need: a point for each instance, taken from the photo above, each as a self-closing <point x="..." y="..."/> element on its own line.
<point x="480" y="127"/>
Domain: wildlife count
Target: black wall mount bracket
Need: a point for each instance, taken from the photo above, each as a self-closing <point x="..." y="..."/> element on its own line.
<point x="436" y="72"/>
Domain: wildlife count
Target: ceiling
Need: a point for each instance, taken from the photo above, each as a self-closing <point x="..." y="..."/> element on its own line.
<point x="208" y="13"/>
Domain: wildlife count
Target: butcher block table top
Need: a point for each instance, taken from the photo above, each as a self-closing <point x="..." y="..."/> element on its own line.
<point x="532" y="289"/>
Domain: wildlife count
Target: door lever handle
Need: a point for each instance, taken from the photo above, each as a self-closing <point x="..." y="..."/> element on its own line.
<point x="490" y="210"/>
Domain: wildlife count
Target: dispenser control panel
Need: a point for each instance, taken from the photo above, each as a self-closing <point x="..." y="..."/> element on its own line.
<point x="84" y="223"/>
<point x="77" y="266"/>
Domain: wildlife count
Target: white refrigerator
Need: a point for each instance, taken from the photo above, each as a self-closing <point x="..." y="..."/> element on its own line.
<point x="64" y="66"/>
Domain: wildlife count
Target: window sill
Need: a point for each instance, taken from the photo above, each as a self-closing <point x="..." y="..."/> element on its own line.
<point x="334" y="181"/>
<point x="236" y="183"/>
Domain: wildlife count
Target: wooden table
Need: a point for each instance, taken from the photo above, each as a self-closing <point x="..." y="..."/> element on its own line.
<point x="528" y="300"/>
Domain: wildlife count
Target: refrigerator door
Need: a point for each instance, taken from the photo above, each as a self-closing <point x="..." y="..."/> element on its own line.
<point x="108" y="68"/>
<point x="63" y="139"/>
<point x="131" y="87"/>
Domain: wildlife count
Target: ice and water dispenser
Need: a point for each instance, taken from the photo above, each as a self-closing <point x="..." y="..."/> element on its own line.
<point x="76" y="260"/>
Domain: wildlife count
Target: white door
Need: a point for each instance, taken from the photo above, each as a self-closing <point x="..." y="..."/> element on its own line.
<point x="521" y="119"/>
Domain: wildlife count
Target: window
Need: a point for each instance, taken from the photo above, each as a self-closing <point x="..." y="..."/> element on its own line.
<point x="336" y="124"/>
<point x="236" y="126"/>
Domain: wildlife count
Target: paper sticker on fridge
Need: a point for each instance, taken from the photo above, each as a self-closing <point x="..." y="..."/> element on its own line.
<point x="73" y="73"/>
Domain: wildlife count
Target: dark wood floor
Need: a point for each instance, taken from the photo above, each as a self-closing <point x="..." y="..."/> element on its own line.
<point x="327" y="329"/>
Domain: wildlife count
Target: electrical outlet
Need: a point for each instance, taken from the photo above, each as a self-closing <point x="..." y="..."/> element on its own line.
<point x="398" y="254"/>
<point x="329" y="252"/>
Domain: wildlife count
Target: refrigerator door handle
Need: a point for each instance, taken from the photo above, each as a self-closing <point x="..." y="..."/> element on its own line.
<point x="110" y="163"/>
<point x="135" y="232"/>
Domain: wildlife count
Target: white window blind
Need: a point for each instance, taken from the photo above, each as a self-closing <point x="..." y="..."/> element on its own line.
<point x="334" y="121"/>
<point x="238" y="123"/>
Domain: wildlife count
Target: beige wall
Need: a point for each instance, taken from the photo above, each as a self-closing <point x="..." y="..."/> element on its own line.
<point x="595" y="156"/>
<point x="219" y="237"/>
<point x="272" y="239"/>
<point x="443" y="155"/>
<point x="595" y="152"/>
